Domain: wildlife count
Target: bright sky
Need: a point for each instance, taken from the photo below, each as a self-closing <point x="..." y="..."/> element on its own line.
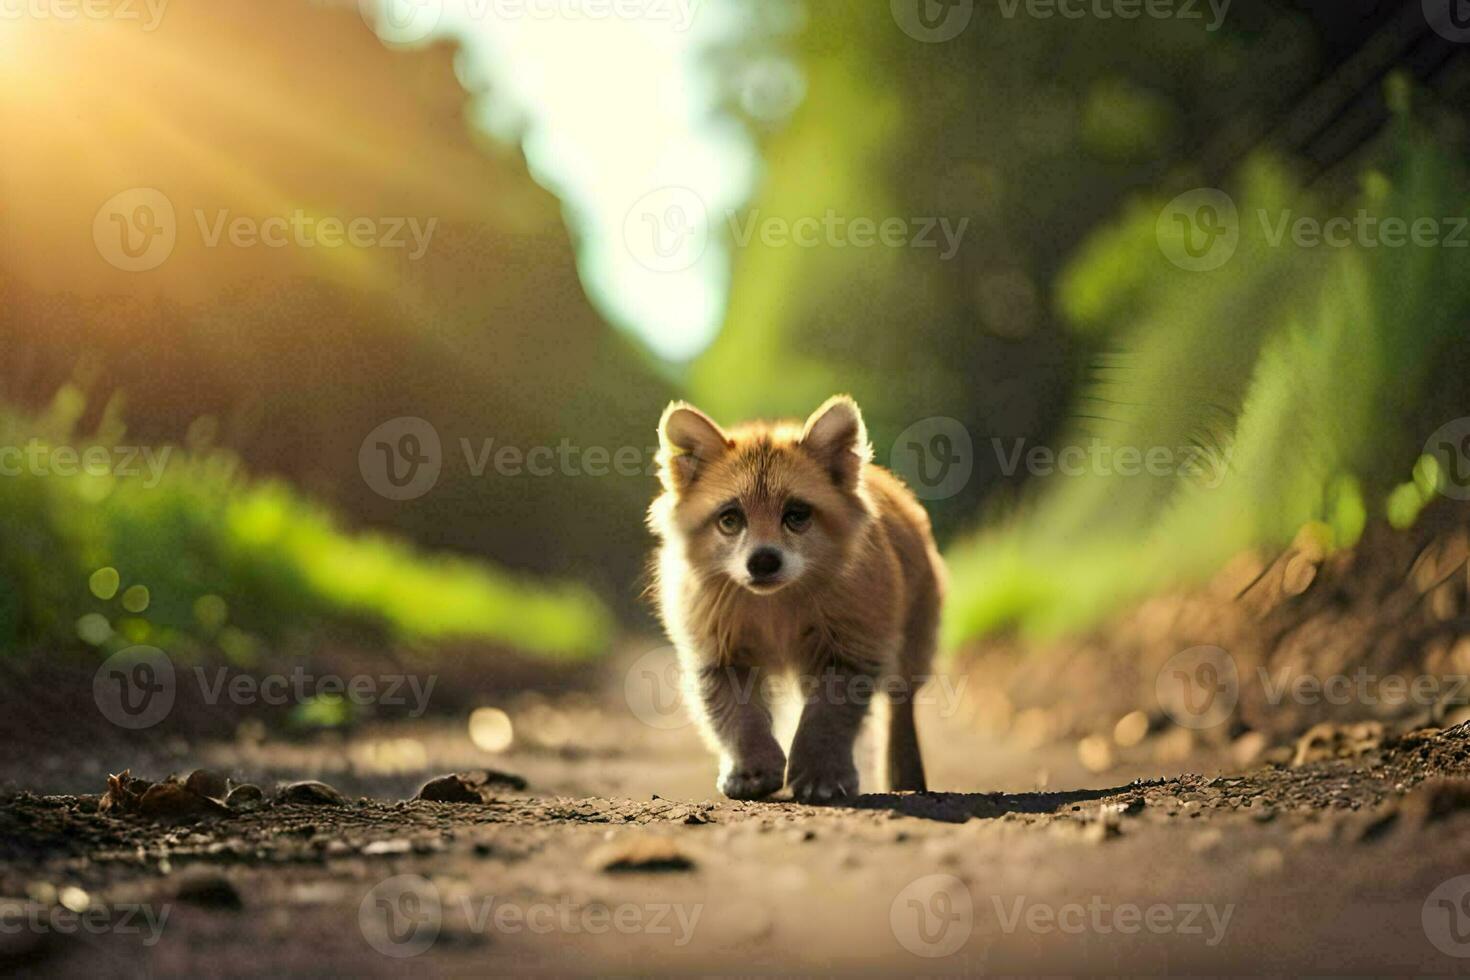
<point x="617" y="115"/>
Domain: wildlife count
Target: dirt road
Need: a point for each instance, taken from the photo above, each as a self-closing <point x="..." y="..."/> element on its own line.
<point x="618" y="857"/>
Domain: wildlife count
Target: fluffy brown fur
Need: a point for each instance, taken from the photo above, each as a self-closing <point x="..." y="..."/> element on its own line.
<point x="785" y="552"/>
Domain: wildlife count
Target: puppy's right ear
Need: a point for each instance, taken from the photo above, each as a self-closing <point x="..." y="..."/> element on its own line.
<point x="688" y="441"/>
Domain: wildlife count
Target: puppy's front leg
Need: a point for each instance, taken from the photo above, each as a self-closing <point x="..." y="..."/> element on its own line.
<point x="736" y="714"/>
<point x="822" y="769"/>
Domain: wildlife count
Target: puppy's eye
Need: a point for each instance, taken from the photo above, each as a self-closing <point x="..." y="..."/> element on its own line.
<point x="798" y="517"/>
<point x="730" y="521"/>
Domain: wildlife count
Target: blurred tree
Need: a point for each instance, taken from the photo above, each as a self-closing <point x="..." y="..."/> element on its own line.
<point x="260" y="109"/>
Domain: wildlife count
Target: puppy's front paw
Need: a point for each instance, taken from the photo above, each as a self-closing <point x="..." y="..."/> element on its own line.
<point x="823" y="785"/>
<point x="751" y="779"/>
<point x="750" y="784"/>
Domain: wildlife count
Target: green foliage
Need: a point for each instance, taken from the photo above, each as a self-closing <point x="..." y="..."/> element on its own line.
<point x="1029" y="131"/>
<point x="1310" y="369"/>
<point x="192" y="552"/>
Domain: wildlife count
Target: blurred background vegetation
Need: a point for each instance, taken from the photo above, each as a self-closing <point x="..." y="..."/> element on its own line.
<point x="1318" y="372"/>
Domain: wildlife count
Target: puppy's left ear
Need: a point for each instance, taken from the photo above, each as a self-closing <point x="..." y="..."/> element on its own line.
<point x="836" y="436"/>
<point x="689" y="441"/>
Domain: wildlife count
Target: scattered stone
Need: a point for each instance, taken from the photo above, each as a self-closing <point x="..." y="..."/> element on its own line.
<point x="209" y="889"/>
<point x="206" y="783"/>
<point x="246" y="796"/>
<point x="310" y="792"/>
<point x="640" y="853"/>
<point x="1329" y="740"/>
<point x="124" y="792"/>
<point x="478" y="786"/>
<point x="449" y="789"/>
<point x="379" y="848"/>
<point x="173" y="801"/>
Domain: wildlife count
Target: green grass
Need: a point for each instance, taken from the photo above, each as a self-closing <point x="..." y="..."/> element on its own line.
<point x="1311" y="369"/>
<point x="202" y="555"/>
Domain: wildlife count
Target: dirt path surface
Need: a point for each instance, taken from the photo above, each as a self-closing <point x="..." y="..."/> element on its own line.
<point x="618" y="857"/>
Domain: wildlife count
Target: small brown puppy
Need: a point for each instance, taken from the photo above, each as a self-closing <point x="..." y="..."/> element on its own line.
<point x="787" y="554"/>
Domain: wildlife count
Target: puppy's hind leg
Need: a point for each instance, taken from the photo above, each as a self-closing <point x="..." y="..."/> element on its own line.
<point x="902" y="758"/>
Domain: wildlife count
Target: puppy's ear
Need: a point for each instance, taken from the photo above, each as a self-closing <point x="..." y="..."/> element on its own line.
<point x="837" y="438"/>
<point x="688" y="442"/>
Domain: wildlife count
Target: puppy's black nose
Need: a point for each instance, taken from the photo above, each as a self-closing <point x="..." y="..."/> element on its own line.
<point x="763" y="563"/>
